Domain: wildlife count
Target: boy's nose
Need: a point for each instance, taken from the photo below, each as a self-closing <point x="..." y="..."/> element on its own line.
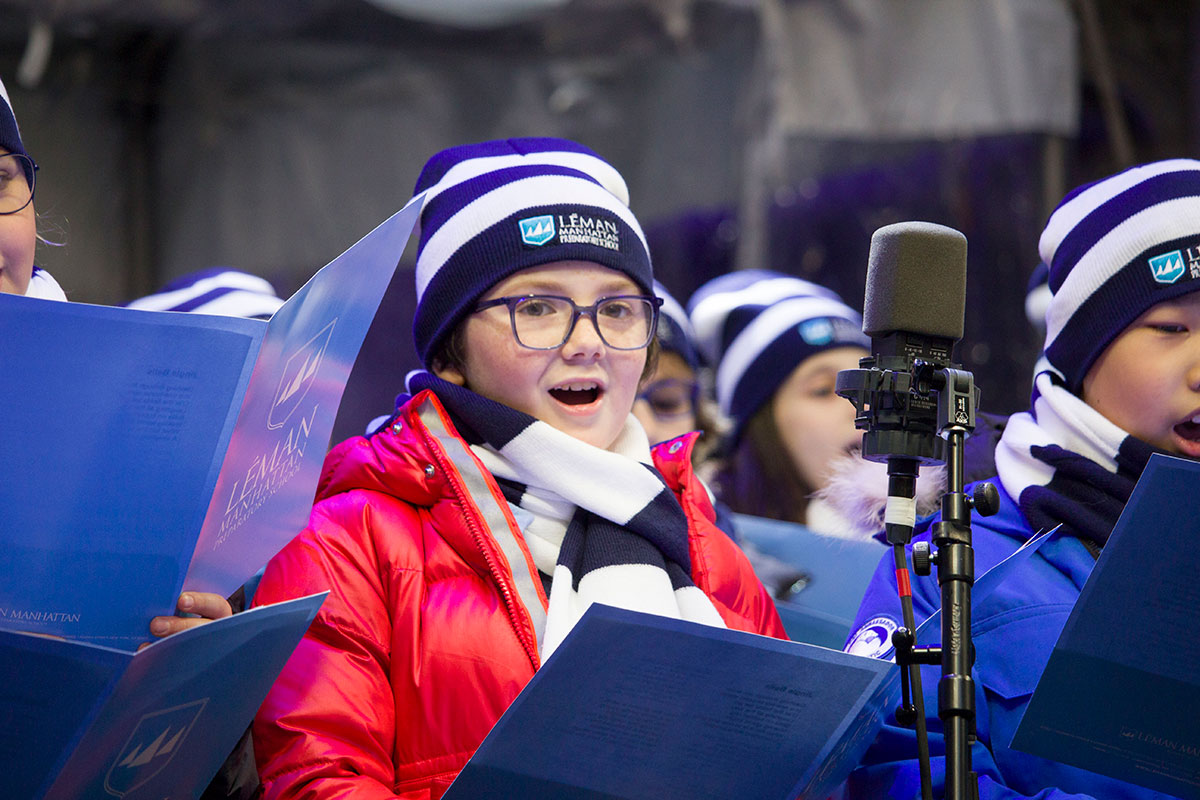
<point x="1193" y="372"/>
<point x="584" y="340"/>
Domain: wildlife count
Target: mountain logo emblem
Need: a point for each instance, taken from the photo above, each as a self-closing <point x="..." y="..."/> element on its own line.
<point x="155" y="740"/>
<point x="299" y="374"/>
<point x="537" y="230"/>
<point x="817" y="332"/>
<point x="1168" y="267"/>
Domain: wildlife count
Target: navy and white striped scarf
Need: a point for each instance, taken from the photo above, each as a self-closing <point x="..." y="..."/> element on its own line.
<point x="1064" y="462"/>
<point x="604" y="525"/>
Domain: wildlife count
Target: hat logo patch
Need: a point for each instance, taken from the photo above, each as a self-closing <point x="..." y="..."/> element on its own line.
<point x="1167" y="268"/>
<point x="537" y="231"/>
<point x="817" y="332"/>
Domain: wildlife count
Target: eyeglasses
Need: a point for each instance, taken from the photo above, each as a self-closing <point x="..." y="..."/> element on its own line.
<point x="16" y="182"/>
<point x="545" y="322"/>
<point x="671" y="398"/>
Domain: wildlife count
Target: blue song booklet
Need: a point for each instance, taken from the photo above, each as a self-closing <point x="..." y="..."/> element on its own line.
<point x="150" y="452"/>
<point x="633" y="706"/>
<point x="1120" y="692"/>
<point x="83" y="721"/>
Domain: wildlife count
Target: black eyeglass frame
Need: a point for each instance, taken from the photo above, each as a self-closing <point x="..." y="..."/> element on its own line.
<point x="30" y="178"/>
<point x="576" y="311"/>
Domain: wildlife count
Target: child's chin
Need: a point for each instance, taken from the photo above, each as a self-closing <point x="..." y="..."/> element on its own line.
<point x="588" y="432"/>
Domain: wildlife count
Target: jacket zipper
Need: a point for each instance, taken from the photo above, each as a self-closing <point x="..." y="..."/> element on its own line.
<point x="477" y="534"/>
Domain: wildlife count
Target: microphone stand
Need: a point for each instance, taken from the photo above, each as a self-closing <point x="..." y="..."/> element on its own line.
<point x="902" y="439"/>
<point x="955" y="560"/>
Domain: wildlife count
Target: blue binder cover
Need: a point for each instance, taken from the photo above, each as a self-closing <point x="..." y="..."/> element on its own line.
<point x="151" y="446"/>
<point x="634" y="706"/>
<point x="829" y="576"/>
<point x="1120" y="692"/>
<point x="83" y="721"/>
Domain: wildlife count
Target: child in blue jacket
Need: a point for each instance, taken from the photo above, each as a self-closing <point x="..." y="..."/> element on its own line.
<point x="1119" y="379"/>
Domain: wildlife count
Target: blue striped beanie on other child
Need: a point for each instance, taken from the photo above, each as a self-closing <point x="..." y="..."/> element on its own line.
<point x="757" y="326"/>
<point x="221" y="291"/>
<point x="495" y="208"/>
<point x="675" y="333"/>
<point x="10" y="133"/>
<point x="1115" y="248"/>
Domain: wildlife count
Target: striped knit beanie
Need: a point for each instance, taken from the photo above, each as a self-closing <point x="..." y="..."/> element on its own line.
<point x="495" y="208"/>
<point x="221" y="291"/>
<point x="757" y="326"/>
<point x="1115" y="248"/>
<point x="10" y="134"/>
<point x="675" y="333"/>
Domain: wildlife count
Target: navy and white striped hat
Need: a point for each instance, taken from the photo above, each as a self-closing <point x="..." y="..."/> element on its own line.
<point x="675" y="333"/>
<point x="757" y="326"/>
<point x="1115" y="248"/>
<point x="10" y="134"/>
<point x="495" y="208"/>
<point x="221" y="291"/>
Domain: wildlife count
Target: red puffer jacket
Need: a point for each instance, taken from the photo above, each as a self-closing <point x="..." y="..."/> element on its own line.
<point x="428" y="633"/>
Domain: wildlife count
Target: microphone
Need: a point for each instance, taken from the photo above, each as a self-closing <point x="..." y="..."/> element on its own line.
<point x="911" y="263"/>
<point x="915" y="301"/>
<point x="907" y="395"/>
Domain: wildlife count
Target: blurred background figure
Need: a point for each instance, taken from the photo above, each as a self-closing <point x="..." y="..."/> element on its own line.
<point x="18" y="219"/>
<point x="221" y="291"/>
<point x="1037" y="297"/>
<point x="778" y="343"/>
<point x="671" y="401"/>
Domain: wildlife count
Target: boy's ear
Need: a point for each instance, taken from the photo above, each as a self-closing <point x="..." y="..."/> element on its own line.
<point x="449" y="373"/>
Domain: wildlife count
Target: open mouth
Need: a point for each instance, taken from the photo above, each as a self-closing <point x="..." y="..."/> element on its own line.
<point x="576" y="394"/>
<point x="1189" y="429"/>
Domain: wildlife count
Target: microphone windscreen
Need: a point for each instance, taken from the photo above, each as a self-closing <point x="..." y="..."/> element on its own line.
<point x="916" y="281"/>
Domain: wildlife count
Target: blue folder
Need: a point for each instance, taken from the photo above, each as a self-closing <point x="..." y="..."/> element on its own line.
<point x="149" y="452"/>
<point x="83" y="721"/>
<point x="158" y="451"/>
<point x="634" y="706"/>
<point x="826" y="576"/>
<point x="1121" y="691"/>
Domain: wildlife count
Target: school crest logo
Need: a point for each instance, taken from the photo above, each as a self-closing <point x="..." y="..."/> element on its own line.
<point x="817" y="332"/>
<point x="299" y="374"/>
<point x="1168" y="267"/>
<point x="537" y="231"/>
<point x="154" y="742"/>
<point x="874" y="638"/>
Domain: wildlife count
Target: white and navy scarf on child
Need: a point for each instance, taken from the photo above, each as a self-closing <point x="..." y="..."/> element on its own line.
<point x="1064" y="462"/>
<point x="43" y="286"/>
<point x="604" y="525"/>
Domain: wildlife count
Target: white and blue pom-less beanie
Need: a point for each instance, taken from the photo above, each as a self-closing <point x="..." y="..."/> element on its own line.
<point x="675" y="333"/>
<point x="1115" y="248"/>
<point x="10" y="134"/>
<point x="220" y="291"/>
<point x="757" y="326"/>
<point x="495" y="208"/>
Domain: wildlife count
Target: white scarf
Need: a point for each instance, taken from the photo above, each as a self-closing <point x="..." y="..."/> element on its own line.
<point x="42" y="286"/>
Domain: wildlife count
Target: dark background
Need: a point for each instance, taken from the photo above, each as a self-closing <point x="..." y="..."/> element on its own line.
<point x="175" y="135"/>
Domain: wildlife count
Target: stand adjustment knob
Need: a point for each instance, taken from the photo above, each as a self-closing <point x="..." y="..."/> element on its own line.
<point x="985" y="499"/>
<point x="922" y="558"/>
